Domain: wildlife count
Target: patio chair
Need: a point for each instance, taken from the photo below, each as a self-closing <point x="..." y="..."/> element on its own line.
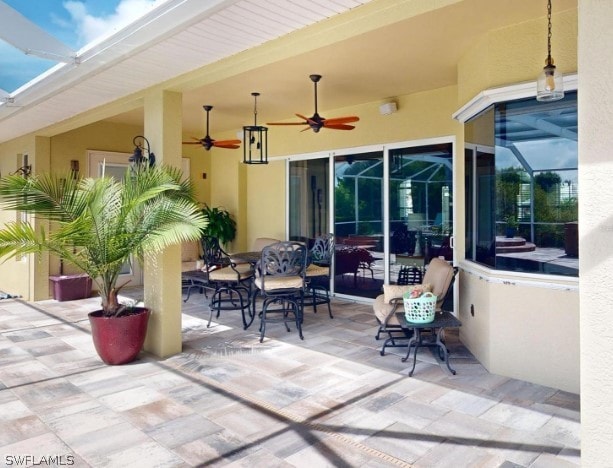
<point x="318" y="272"/>
<point x="280" y="279"/>
<point x="438" y="279"/>
<point x="231" y="282"/>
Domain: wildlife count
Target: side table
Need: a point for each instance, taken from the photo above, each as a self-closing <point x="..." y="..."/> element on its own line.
<point x="441" y="321"/>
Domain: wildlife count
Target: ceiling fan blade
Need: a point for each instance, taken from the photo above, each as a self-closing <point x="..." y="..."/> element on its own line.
<point x="302" y="117"/>
<point x="287" y="123"/>
<point x="227" y="144"/>
<point x="341" y="120"/>
<point x="339" y="127"/>
<point x="191" y="142"/>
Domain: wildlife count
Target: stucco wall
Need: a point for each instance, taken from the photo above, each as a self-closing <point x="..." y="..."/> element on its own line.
<point x="526" y="328"/>
<point x="596" y="230"/>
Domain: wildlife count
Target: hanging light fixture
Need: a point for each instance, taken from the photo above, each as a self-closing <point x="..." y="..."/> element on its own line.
<point x="549" y="85"/>
<point x="138" y="160"/>
<point x="255" y="139"/>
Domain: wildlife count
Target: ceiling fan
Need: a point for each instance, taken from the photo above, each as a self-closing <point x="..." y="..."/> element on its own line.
<point x="207" y="142"/>
<point x="317" y="122"/>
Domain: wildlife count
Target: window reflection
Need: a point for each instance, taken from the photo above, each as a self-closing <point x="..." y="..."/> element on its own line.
<point x="525" y="188"/>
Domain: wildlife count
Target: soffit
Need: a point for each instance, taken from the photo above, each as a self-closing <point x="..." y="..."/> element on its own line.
<point x="394" y="53"/>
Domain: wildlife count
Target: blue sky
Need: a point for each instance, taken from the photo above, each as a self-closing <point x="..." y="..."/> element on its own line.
<point x="75" y="23"/>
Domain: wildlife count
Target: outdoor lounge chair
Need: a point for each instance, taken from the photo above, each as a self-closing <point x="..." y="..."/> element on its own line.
<point x="438" y="279"/>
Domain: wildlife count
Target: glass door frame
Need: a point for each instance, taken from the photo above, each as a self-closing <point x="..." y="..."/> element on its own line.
<point x="385" y="148"/>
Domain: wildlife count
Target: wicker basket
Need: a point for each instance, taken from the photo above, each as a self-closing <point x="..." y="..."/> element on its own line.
<point x="420" y="309"/>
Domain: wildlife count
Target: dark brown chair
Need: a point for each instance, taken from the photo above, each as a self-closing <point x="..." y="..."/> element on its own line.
<point x="231" y="282"/>
<point x="280" y="279"/>
<point x="318" y="273"/>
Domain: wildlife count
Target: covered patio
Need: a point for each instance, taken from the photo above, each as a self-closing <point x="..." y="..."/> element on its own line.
<point x="227" y="400"/>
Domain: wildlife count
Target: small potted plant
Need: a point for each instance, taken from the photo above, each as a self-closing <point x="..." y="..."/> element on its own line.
<point x="511" y="226"/>
<point x="97" y="225"/>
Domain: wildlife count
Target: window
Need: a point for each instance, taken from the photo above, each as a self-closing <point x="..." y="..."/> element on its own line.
<point x="521" y="187"/>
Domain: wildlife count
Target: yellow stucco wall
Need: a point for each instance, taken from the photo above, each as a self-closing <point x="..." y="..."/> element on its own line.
<point x="509" y="55"/>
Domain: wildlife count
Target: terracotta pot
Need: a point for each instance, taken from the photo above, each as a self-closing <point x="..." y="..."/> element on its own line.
<point x="118" y="340"/>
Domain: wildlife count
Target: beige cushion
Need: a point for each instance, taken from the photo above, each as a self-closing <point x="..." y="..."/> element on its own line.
<point x="243" y="271"/>
<point x="280" y="282"/>
<point x="439" y="274"/>
<point x="391" y="291"/>
<point x="383" y="311"/>
<point x="316" y="270"/>
<point x="190" y="251"/>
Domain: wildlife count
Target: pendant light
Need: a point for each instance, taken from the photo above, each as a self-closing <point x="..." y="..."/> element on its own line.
<point x="549" y="85"/>
<point x="255" y="139"/>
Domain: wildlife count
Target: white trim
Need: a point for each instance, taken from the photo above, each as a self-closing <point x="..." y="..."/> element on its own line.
<point x="513" y="278"/>
<point x="506" y="93"/>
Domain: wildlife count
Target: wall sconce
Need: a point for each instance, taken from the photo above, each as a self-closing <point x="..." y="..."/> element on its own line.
<point x="549" y="85"/>
<point x="138" y="160"/>
<point x="26" y="169"/>
<point x="23" y="171"/>
<point x="255" y="139"/>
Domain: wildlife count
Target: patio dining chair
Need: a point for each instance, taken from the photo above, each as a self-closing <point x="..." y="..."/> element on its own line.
<point x="318" y="273"/>
<point x="439" y="279"/>
<point x="231" y="282"/>
<point x="280" y="280"/>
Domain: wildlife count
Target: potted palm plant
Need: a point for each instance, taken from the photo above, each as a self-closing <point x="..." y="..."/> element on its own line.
<point x="98" y="225"/>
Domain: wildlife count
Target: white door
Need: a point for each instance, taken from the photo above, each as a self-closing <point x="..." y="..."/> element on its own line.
<point x="115" y="165"/>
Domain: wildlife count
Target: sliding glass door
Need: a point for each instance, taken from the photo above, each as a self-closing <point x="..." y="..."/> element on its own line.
<point x="421" y="206"/>
<point x="388" y="208"/>
<point x="309" y="199"/>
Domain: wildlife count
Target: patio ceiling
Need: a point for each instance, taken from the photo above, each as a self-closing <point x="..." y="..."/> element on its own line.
<point x="270" y="47"/>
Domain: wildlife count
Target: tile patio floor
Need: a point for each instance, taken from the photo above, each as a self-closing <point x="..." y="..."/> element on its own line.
<point x="227" y="400"/>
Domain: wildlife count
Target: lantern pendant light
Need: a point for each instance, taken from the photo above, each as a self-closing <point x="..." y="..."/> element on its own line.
<point x="255" y="139"/>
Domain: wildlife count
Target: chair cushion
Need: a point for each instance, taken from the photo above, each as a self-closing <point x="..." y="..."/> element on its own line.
<point x="243" y="271"/>
<point x="316" y="270"/>
<point x="391" y="291"/>
<point x="382" y="309"/>
<point x="280" y="282"/>
<point x="439" y="274"/>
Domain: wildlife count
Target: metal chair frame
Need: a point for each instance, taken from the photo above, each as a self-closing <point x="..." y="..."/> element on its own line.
<point x="231" y="293"/>
<point x="279" y="262"/>
<point x="317" y="285"/>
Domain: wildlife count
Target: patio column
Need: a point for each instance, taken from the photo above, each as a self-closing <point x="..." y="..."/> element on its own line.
<point x="595" y="102"/>
<point x="162" y="272"/>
